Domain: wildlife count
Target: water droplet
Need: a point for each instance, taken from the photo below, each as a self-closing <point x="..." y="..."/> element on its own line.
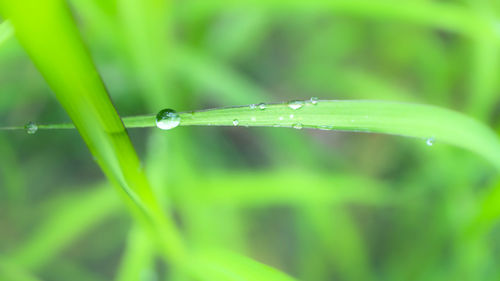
<point x="291" y="116"/>
<point x="325" y="127"/>
<point x="296" y="104"/>
<point x="314" y="100"/>
<point x="430" y="141"/>
<point x="31" y="128"/>
<point x="253" y="106"/>
<point x="297" y="126"/>
<point x="167" y="119"/>
<point x="262" y="106"/>
<point x="281" y="118"/>
<point x="253" y="118"/>
<point x="236" y="122"/>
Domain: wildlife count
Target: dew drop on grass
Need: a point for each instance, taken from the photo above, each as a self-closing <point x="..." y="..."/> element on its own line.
<point x="281" y="118"/>
<point x="262" y="106"/>
<point x="430" y="141"/>
<point x="291" y="116"/>
<point x="236" y="122"/>
<point x="31" y="127"/>
<point x="253" y="119"/>
<point x="297" y="126"/>
<point x="253" y="106"/>
<point x="296" y="104"/>
<point x="325" y="127"/>
<point x="167" y="119"/>
<point x="314" y="100"/>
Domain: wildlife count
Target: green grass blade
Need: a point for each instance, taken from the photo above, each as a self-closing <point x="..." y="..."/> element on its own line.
<point x="412" y="120"/>
<point x="289" y="187"/>
<point x="6" y="31"/>
<point x="214" y="265"/>
<point x="11" y="271"/>
<point x="430" y="123"/>
<point x="49" y="34"/>
<point x="69" y="220"/>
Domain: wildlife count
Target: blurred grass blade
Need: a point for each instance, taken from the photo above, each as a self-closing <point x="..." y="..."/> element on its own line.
<point x="48" y="33"/>
<point x="215" y="265"/>
<point x="138" y="258"/>
<point x="11" y="271"/>
<point x="6" y="31"/>
<point x="69" y="219"/>
<point x="289" y="187"/>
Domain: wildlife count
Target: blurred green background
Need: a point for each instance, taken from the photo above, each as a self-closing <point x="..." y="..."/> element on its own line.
<point x="317" y="205"/>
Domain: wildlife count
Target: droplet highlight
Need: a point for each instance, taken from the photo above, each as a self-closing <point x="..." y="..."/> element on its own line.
<point x="236" y="122"/>
<point x="296" y="104"/>
<point x="430" y="141"/>
<point x="261" y="106"/>
<point x="314" y="100"/>
<point x="297" y="126"/>
<point x="167" y="119"/>
<point x="31" y="128"/>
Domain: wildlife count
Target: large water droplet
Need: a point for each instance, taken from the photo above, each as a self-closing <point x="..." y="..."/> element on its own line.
<point x="297" y="126"/>
<point x="295" y="104"/>
<point x="167" y="119"/>
<point x="31" y="127"/>
<point x="430" y="141"/>
<point x="314" y="100"/>
<point x="236" y="122"/>
<point x="262" y="106"/>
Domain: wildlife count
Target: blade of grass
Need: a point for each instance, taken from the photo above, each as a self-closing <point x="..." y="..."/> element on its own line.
<point x="6" y="31"/>
<point x="429" y="123"/>
<point x="48" y="33"/>
<point x="69" y="219"/>
<point x="225" y="266"/>
<point x="288" y="187"/>
<point x="11" y="271"/>
<point x="138" y="258"/>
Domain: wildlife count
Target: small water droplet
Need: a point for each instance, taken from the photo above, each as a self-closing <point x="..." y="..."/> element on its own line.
<point x="236" y="122"/>
<point x="296" y="104"/>
<point x="314" y="100"/>
<point x="262" y="106"/>
<point x="253" y="106"/>
<point x="291" y="116"/>
<point x="31" y="127"/>
<point x="253" y="118"/>
<point x="281" y="118"/>
<point x="430" y="141"/>
<point x="325" y="127"/>
<point x="297" y="126"/>
<point x="167" y="119"/>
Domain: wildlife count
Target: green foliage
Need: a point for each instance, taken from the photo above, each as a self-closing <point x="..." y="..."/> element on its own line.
<point x="237" y="203"/>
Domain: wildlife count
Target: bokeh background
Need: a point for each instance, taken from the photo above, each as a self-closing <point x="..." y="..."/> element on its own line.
<point x="317" y="205"/>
